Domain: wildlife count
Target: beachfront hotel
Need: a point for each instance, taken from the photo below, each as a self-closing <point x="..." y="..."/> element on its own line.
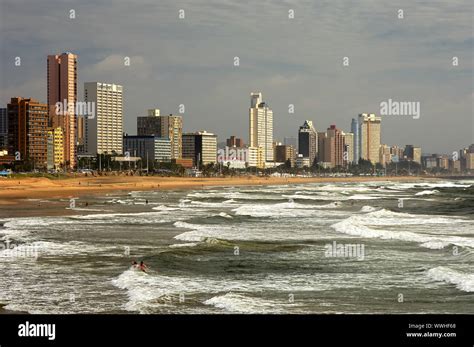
<point x="62" y="88"/>
<point x="369" y="136"/>
<point x="104" y="132"/>
<point x="170" y="126"/>
<point x="261" y="126"/>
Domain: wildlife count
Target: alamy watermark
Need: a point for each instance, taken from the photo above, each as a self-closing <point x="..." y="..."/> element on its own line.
<point x="230" y="154"/>
<point x="80" y="108"/>
<point x="341" y="250"/>
<point x="400" y="108"/>
<point x="9" y="249"/>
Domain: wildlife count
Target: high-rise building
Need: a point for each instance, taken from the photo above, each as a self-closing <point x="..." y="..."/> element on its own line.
<point x="336" y="143"/>
<point x="104" y="132"/>
<point x="470" y="161"/>
<point x="413" y="153"/>
<point x="55" y="148"/>
<point x="234" y="142"/>
<point x="200" y="146"/>
<point x="284" y="153"/>
<point x="148" y="147"/>
<point x="385" y="155"/>
<point x="369" y="136"/>
<point x="62" y="88"/>
<point x="255" y="157"/>
<point x="291" y="141"/>
<point x="3" y="129"/>
<point x="348" y="148"/>
<point x="396" y="153"/>
<point x="261" y="126"/>
<point x="308" y="141"/>
<point x="321" y="147"/>
<point x="355" y="130"/>
<point x="81" y="133"/>
<point x="170" y="126"/>
<point x="28" y="130"/>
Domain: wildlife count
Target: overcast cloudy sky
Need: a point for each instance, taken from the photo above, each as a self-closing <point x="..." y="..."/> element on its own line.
<point x="296" y="61"/>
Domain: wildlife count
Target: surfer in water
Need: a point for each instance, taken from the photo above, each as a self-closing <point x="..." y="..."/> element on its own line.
<point x="142" y="266"/>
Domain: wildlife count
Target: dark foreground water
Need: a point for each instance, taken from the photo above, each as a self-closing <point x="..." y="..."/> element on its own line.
<point x="318" y="248"/>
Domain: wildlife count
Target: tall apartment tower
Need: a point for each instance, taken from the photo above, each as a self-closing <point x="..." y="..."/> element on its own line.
<point x="170" y="127"/>
<point x="336" y="140"/>
<point x="308" y="141"/>
<point x="369" y="136"/>
<point x="28" y="130"/>
<point x="104" y="132"/>
<point x="261" y="126"/>
<point x="62" y="87"/>
<point x="3" y="129"/>
<point x="355" y="130"/>
<point x="348" y="148"/>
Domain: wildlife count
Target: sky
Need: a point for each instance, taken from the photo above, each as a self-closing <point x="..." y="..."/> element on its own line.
<point x="292" y="61"/>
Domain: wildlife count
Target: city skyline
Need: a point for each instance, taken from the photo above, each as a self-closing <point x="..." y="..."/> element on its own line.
<point x="319" y="86"/>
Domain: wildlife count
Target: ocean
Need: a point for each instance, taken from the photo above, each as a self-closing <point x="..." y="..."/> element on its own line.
<point x="374" y="247"/>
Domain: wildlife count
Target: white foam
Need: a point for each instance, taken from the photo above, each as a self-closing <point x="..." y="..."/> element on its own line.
<point x="165" y="208"/>
<point x="239" y="303"/>
<point x="427" y="192"/>
<point x="433" y="185"/>
<point x="359" y="225"/>
<point x="368" y="209"/>
<point x="285" y="209"/>
<point x="181" y="245"/>
<point x="157" y="291"/>
<point x="225" y="215"/>
<point x="462" y="281"/>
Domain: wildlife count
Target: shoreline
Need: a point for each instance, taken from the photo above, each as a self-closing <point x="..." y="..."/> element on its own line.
<point x="35" y="188"/>
<point x="23" y="197"/>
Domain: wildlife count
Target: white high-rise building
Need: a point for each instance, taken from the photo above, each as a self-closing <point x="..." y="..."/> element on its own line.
<point x="261" y="126"/>
<point x="104" y="132"/>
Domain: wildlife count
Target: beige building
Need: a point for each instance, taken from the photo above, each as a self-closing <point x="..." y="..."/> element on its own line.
<point x="385" y="155"/>
<point x="261" y="126"/>
<point x="170" y="126"/>
<point x="200" y="146"/>
<point x="369" y="136"/>
<point x="336" y="151"/>
<point x="62" y="88"/>
<point x="283" y="153"/>
<point x="55" y="148"/>
<point x="256" y="157"/>
<point x="470" y="161"/>
<point x="104" y="132"/>
<point x="348" y="148"/>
